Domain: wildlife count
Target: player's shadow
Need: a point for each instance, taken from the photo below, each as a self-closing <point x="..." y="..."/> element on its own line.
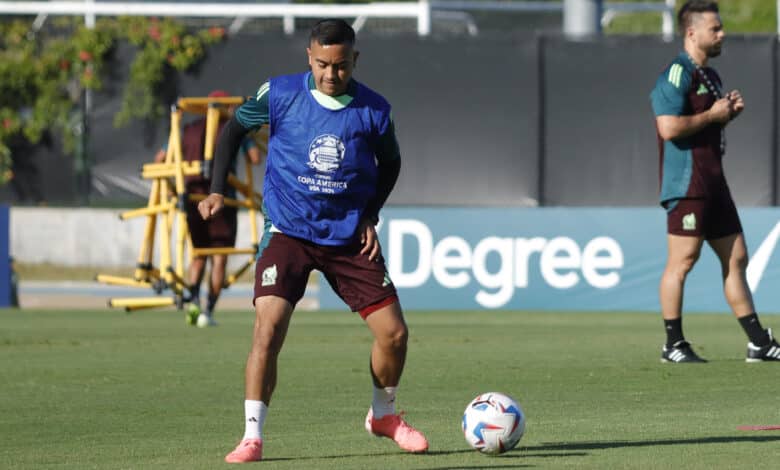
<point x="326" y="457"/>
<point x="594" y="445"/>
<point x="513" y="454"/>
<point x="479" y="466"/>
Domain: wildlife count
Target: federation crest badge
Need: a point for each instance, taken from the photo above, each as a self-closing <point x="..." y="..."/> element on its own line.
<point x="326" y="153"/>
<point x="689" y="221"/>
<point x="269" y="276"/>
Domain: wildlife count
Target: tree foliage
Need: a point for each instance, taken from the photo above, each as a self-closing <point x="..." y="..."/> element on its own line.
<point x="43" y="74"/>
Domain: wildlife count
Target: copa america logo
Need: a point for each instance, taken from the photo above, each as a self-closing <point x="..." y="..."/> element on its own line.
<point x="326" y="153"/>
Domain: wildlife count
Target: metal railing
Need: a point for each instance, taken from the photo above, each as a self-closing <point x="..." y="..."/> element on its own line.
<point x="287" y="12"/>
<point x="420" y="10"/>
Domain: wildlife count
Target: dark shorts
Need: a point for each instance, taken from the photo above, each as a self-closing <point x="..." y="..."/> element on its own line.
<point x="709" y="218"/>
<point x="284" y="265"/>
<point x="217" y="232"/>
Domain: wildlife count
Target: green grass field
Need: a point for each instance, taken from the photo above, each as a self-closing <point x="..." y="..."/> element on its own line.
<point x="102" y="389"/>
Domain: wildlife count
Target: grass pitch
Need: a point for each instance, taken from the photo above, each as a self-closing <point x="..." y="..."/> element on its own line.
<point x="102" y="389"/>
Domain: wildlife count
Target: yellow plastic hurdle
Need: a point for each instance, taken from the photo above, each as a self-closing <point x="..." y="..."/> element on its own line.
<point x="167" y="199"/>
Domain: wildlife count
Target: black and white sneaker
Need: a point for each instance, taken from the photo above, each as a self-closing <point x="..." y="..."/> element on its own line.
<point x="680" y="352"/>
<point x="770" y="352"/>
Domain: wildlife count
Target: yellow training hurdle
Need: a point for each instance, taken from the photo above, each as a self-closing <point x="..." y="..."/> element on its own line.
<point x="167" y="201"/>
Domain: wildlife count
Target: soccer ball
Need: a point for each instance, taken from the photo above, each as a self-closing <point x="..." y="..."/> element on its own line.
<point x="493" y="423"/>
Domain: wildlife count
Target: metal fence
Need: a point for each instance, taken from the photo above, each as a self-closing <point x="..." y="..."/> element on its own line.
<point x="422" y="12"/>
<point x="485" y="118"/>
<point x="503" y="120"/>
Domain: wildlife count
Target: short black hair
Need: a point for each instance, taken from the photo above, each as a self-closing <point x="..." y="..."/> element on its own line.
<point x="690" y="7"/>
<point x="332" y="31"/>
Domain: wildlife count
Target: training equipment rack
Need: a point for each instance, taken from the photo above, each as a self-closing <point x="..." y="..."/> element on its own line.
<point x="167" y="201"/>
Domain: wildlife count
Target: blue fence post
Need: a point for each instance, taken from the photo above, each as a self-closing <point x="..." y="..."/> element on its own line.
<point x="5" y="259"/>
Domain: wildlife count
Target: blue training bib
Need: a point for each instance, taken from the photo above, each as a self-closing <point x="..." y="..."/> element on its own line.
<point x="321" y="170"/>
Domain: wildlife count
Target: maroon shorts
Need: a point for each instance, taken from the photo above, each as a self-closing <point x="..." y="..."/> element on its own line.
<point x="217" y="232"/>
<point x="709" y="218"/>
<point x="284" y="265"/>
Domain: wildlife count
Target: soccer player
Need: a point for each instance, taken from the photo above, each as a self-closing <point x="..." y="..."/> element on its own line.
<point x="332" y="161"/>
<point x="219" y="231"/>
<point x="692" y="111"/>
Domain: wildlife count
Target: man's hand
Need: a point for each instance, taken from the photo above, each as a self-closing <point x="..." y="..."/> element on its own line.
<point x="720" y="111"/>
<point x="737" y="103"/>
<point x="211" y="206"/>
<point x="369" y="239"/>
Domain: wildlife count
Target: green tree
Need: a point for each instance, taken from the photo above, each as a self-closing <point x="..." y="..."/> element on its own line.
<point x="43" y="74"/>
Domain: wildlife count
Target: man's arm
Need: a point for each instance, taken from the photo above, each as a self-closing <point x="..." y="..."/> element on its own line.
<point x="388" y="157"/>
<point x="672" y="127"/>
<point x="737" y="103"/>
<point x="159" y="157"/>
<point x="227" y="148"/>
<point x="250" y="115"/>
<point x="254" y="155"/>
<point x="669" y="99"/>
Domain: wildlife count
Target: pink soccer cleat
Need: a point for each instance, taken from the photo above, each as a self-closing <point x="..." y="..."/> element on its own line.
<point x="248" y="450"/>
<point x="394" y="427"/>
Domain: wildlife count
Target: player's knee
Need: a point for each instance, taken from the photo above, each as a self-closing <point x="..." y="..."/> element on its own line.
<point x="267" y="344"/>
<point x="685" y="265"/>
<point x="397" y="337"/>
<point x="268" y="338"/>
<point x="740" y="261"/>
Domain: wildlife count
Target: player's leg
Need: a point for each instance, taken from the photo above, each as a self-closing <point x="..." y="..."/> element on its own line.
<point x="726" y="238"/>
<point x="682" y="254"/>
<point x="199" y="236"/>
<point x="281" y="274"/>
<point x="272" y="319"/>
<point x="216" y="281"/>
<point x="366" y="288"/>
<point x="194" y="278"/>
<point x="222" y="231"/>
<point x="733" y="255"/>
<point x="388" y="355"/>
<point x="684" y="241"/>
<point x="196" y="270"/>
<point x="218" y="268"/>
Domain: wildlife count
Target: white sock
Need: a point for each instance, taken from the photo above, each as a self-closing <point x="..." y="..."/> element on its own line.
<point x="255" y="412"/>
<point x="384" y="401"/>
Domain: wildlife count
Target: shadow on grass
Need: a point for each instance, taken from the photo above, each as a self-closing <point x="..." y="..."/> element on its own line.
<point x="326" y="457"/>
<point x="593" y="445"/>
<point x="506" y="463"/>
<point x="514" y="454"/>
<point x="480" y="466"/>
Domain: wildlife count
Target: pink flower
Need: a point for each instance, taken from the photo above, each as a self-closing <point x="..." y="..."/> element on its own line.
<point x="154" y="33"/>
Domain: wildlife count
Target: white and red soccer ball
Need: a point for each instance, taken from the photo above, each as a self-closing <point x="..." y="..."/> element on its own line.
<point x="493" y="423"/>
